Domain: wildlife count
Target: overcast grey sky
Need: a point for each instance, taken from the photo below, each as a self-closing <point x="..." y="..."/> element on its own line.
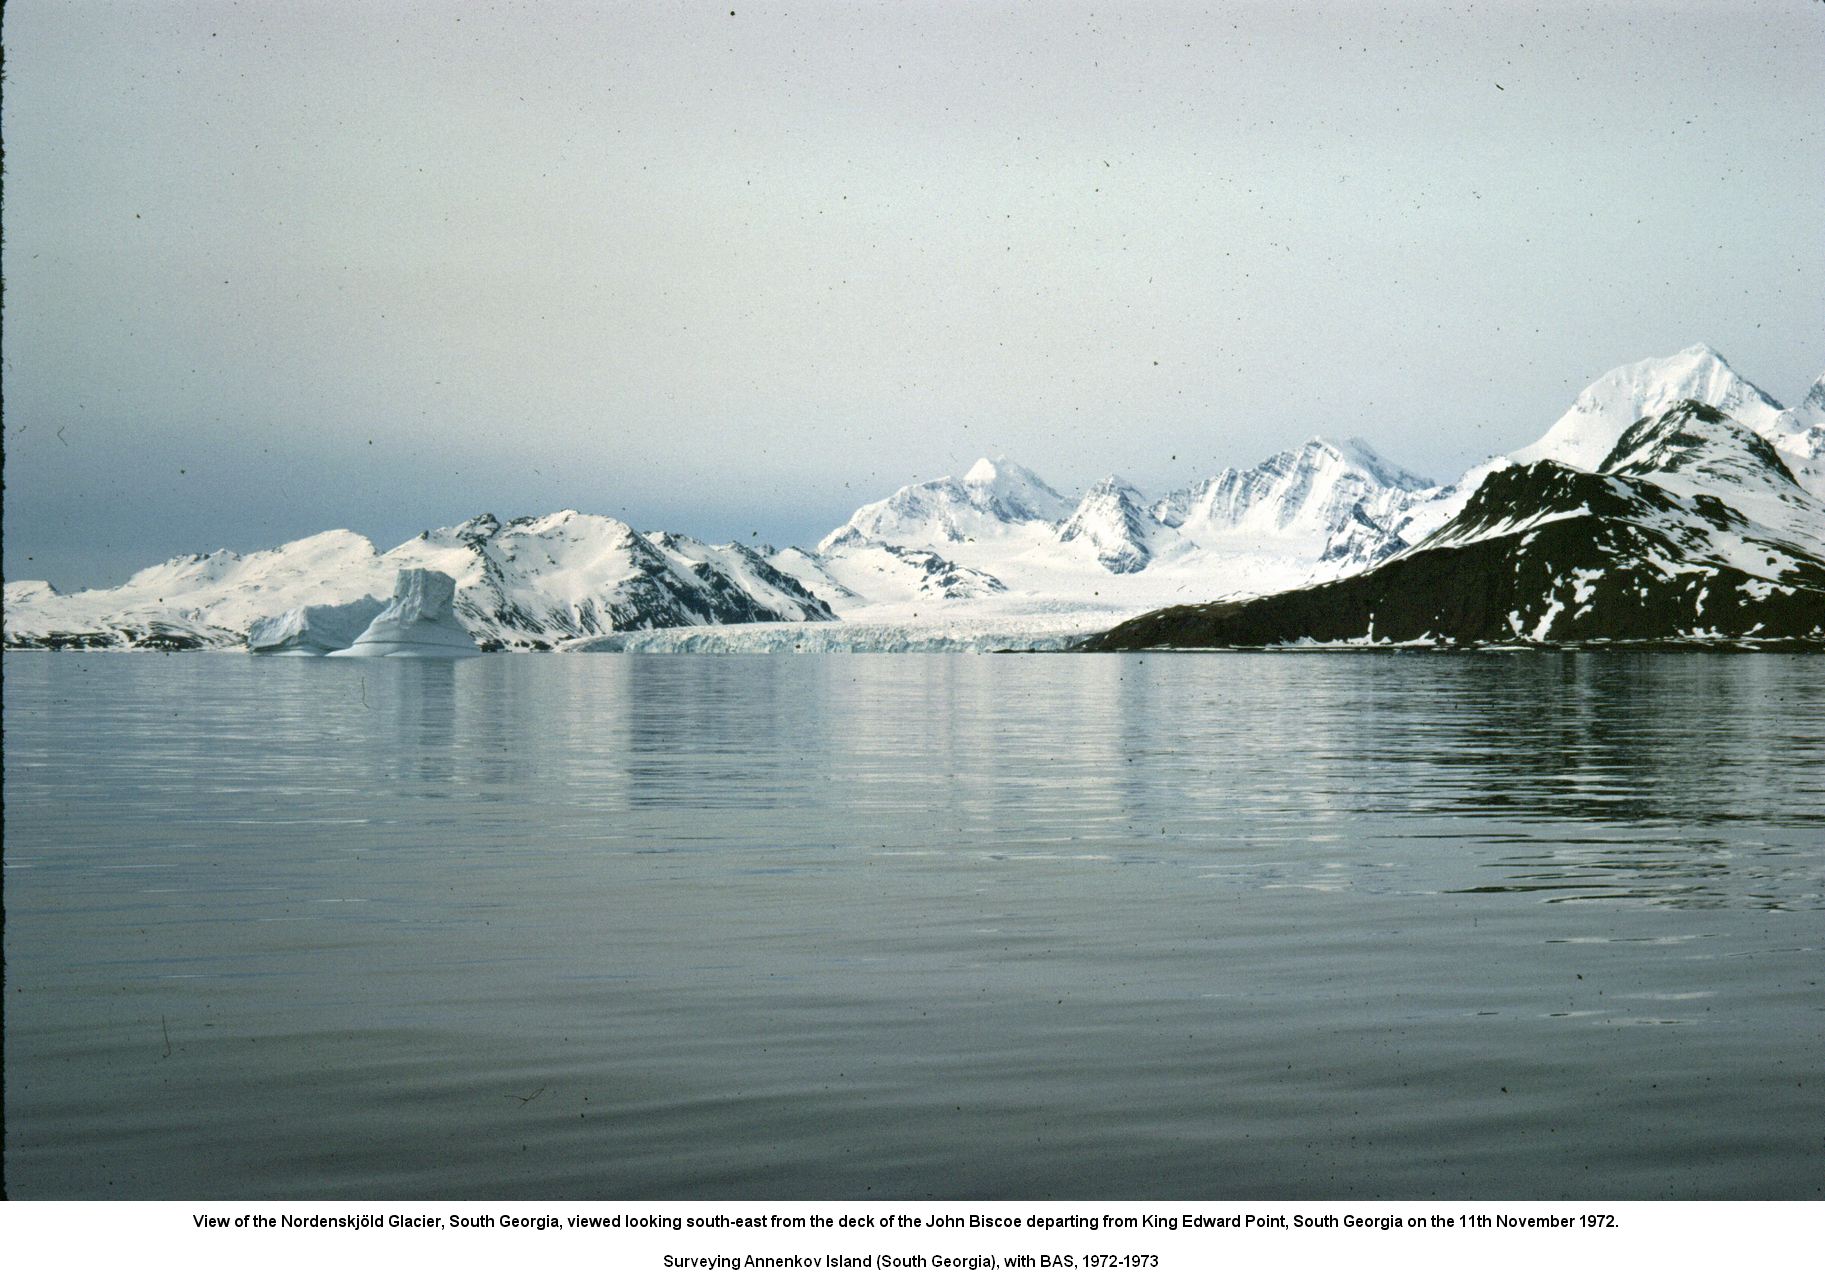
<point x="277" y="267"/>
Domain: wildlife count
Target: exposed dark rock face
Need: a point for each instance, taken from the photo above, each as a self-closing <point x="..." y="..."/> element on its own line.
<point x="1495" y="591"/>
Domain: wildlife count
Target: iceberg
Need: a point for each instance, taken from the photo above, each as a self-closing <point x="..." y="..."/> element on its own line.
<point x="313" y="630"/>
<point x="418" y="623"/>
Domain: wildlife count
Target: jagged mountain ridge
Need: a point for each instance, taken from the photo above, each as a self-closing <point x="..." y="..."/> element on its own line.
<point x="1113" y="519"/>
<point x="1654" y="547"/>
<point x="1342" y="495"/>
<point x="1002" y="536"/>
<point x="993" y="496"/>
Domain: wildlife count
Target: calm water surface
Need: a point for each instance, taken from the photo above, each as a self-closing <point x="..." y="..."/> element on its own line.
<point x="1235" y="926"/>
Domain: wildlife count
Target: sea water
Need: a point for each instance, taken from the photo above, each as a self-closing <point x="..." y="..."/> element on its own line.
<point x="1506" y="925"/>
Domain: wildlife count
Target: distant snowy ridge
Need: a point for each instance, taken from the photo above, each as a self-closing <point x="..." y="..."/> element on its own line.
<point x="1339" y="501"/>
<point x="525" y="584"/>
<point x="992" y="497"/>
<point x="998" y="548"/>
<point x="1002" y="543"/>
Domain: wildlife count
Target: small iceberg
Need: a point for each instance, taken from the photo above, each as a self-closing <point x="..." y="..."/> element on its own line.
<point x="312" y="631"/>
<point x="419" y="623"/>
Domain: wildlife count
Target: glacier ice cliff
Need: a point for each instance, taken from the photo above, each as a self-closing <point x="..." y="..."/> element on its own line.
<point x="313" y="630"/>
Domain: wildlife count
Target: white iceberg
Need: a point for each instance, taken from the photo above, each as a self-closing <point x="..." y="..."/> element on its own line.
<point x="313" y="630"/>
<point x="419" y="622"/>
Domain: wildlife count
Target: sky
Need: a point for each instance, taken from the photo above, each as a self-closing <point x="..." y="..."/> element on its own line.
<point x="734" y="269"/>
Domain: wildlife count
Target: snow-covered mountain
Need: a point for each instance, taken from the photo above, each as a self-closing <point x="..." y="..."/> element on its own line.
<point x="1585" y="434"/>
<point x="524" y="584"/>
<point x="1799" y="434"/>
<point x="1692" y="528"/>
<point x="996" y="551"/>
<point x="1114" y="523"/>
<point x="1332" y="501"/>
<point x="1003" y="544"/>
<point x="994" y="497"/>
<point x="1702" y="454"/>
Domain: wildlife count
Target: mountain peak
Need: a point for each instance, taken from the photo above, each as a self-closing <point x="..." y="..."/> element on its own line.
<point x="1004" y="474"/>
<point x="1815" y="397"/>
<point x="1357" y="453"/>
<point x="1114" y="484"/>
<point x="1113" y="521"/>
<point x="20" y="591"/>
<point x="994" y="497"/>
<point x="1696" y="438"/>
<point x="1585" y="435"/>
<point x="985" y="471"/>
<point x="1809" y="414"/>
<point x="481" y="526"/>
<point x="1012" y="492"/>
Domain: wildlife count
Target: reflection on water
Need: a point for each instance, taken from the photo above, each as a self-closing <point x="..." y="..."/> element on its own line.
<point x="1228" y="925"/>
